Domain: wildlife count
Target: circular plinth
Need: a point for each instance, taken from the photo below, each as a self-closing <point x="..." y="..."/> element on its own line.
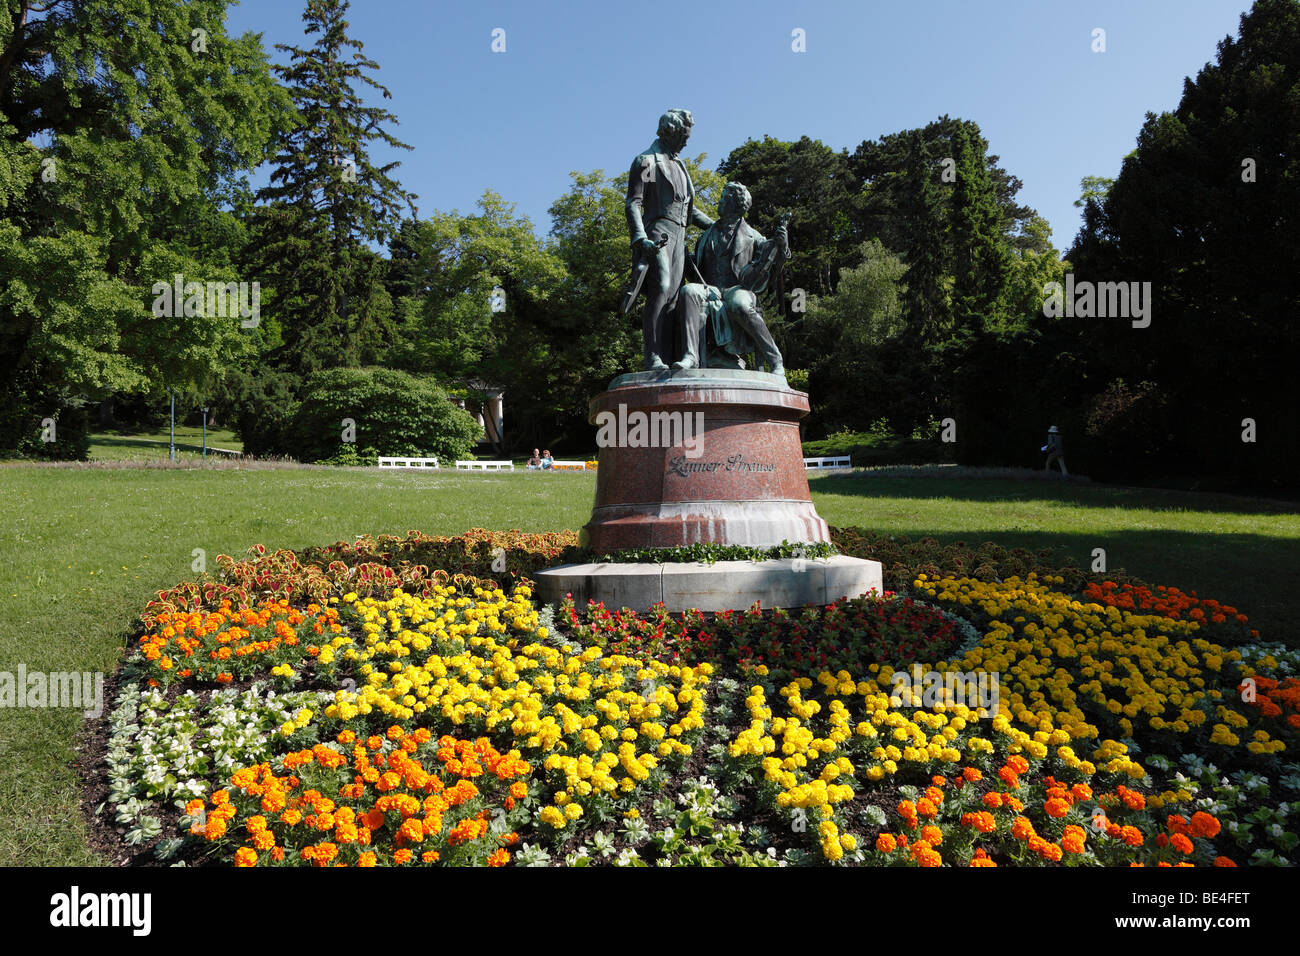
<point x="725" y="585"/>
<point x="708" y="455"/>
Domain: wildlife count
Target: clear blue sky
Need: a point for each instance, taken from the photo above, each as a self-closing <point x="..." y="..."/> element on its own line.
<point x="582" y="83"/>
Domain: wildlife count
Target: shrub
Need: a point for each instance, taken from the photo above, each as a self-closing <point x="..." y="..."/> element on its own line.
<point x="1130" y="431"/>
<point x="266" y="402"/>
<point x="395" y="414"/>
<point x="21" y="423"/>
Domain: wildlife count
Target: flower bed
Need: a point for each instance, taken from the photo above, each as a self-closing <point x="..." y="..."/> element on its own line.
<point x="383" y="803"/>
<point x="780" y="643"/>
<point x="358" y="705"/>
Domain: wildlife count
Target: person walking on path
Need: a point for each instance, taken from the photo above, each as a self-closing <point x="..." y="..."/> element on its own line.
<point x="1055" y="449"/>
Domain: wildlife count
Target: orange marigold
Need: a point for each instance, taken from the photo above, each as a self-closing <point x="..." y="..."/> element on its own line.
<point x="1204" y="824"/>
<point x="1072" y="841"/>
<point x="907" y="810"/>
<point x="1056" y="807"/>
<point x="1131" y="835"/>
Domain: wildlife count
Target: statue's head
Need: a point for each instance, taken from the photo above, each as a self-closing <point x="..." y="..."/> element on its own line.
<point x="734" y="201"/>
<point x="675" y="129"/>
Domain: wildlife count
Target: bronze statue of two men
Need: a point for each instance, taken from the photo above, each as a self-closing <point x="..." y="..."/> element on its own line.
<point x="712" y="322"/>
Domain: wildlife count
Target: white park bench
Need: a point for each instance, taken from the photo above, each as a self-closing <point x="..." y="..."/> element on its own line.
<point x="486" y="465"/>
<point x="817" y="464"/>
<point x="569" y="465"/>
<point x="396" y="462"/>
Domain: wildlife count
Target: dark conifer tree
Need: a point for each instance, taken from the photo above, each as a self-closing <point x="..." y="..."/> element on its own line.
<point x="328" y="202"/>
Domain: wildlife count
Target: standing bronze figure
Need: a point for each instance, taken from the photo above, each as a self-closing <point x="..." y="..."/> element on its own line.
<point x="660" y="205"/>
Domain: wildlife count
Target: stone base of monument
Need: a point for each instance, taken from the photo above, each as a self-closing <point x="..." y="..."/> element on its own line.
<point x="724" y="585"/>
<point x="702" y="455"/>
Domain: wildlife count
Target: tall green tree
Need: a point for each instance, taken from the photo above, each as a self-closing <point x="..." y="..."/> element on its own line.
<point x="455" y="328"/>
<point x="125" y="131"/>
<point x="328" y="202"/>
<point x="869" y="367"/>
<point x="921" y="213"/>
<point x="909" y="186"/>
<point x="485" y="312"/>
<point x="1095" y="188"/>
<point x="1206" y="209"/>
<point x="1030" y="271"/>
<point x="979" y="372"/>
<point x="881" y="168"/>
<point x="589" y="232"/>
<point x="981" y="261"/>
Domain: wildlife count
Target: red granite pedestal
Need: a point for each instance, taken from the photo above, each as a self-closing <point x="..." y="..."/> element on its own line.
<point x="708" y="455"/>
<point x="713" y="456"/>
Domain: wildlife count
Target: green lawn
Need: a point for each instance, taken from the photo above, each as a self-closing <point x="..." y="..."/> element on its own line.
<point x="114" y="446"/>
<point x="1241" y="551"/>
<point x="81" y="551"/>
